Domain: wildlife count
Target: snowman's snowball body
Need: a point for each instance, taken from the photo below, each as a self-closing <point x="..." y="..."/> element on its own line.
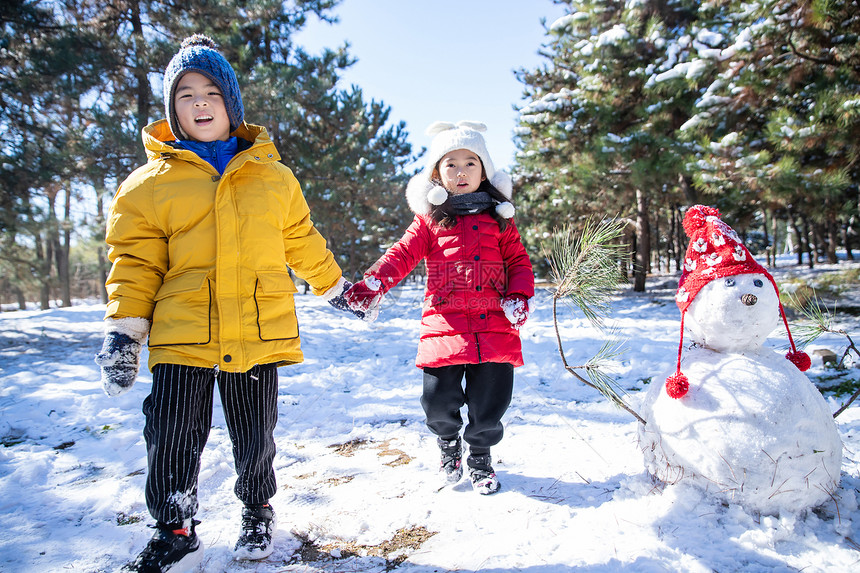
<point x="752" y="427"/>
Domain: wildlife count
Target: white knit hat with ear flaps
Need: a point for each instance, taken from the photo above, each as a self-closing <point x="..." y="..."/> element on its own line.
<point x="423" y="194"/>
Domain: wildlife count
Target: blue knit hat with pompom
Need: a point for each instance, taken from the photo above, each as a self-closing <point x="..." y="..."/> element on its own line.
<point x="198" y="54"/>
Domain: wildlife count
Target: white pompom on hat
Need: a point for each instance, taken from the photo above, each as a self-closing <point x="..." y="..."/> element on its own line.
<point x="423" y="193"/>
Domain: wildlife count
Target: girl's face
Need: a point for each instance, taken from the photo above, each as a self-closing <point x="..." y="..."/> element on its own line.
<point x="461" y="171"/>
<point x="200" y="108"/>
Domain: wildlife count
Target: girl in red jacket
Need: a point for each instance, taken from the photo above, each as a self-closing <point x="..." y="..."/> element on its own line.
<point x="479" y="282"/>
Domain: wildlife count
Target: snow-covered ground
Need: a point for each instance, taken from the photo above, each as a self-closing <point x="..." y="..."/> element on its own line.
<point x="359" y="486"/>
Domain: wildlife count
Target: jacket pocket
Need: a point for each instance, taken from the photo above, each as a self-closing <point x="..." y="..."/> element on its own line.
<point x="439" y="296"/>
<point x="276" y="308"/>
<point x="181" y="314"/>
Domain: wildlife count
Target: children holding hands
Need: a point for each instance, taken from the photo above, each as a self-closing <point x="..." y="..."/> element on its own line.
<point x="201" y="239"/>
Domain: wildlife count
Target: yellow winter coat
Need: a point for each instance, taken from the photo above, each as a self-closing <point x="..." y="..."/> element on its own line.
<point x="205" y="257"/>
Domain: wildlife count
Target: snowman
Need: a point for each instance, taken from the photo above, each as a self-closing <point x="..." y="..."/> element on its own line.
<point x="737" y="418"/>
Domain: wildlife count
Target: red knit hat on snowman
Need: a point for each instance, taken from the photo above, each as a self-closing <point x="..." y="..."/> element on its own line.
<point x="716" y="251"/>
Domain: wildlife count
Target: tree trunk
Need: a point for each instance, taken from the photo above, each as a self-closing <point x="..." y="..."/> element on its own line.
<point x="43" y="263"/>
<point x="832" y="239"/>
<point x="818" y="243"/>
<point x="63" y="248"/>
<point x="643" y="242"/>
<point x="768" y="248"/>
<point x="141" y="75"/>
<point x="774" y="229"/>
<point x="689" y="191"/>
<point x="633" y="247"/>
<point x="679" y="238"/>
<point x="101" y="251"/>
<point x="655" y="260"/>
<point x="846" y="240"/>
<point x="806" y="235"/>
<point x="630" y="242"/>
<point x="671" y="245"/>
<point x="799" y="234"/>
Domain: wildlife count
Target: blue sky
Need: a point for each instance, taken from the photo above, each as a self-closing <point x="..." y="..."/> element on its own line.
<point x="446" y="60"/>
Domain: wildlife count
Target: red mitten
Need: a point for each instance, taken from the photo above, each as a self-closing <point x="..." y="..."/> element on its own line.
<point x="364" y="295"/>
<point x="516" y="308"/>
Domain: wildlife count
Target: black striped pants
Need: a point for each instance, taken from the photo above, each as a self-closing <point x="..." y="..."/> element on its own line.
<point x="178" y="418"/>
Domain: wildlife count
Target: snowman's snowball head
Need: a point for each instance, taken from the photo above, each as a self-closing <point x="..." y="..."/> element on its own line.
<point x="733" y="313"/>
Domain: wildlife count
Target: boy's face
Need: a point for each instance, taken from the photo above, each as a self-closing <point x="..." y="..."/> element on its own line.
<point x="461" y="171"/>
<point x="200" y="108"/>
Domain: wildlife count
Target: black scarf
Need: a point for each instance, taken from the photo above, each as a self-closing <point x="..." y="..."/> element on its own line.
<point x="469" y="203"/>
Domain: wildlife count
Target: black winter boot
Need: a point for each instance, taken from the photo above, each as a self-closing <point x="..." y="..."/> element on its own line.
<point x="484" y="479"/>
<point x="452" y="454"/>
<point x="173" y="548"/>
<point x="258" y="524"/>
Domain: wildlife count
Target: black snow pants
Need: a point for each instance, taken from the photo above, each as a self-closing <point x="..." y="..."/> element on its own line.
<point x="487" y="395"/>
<point x="178" y="414"/>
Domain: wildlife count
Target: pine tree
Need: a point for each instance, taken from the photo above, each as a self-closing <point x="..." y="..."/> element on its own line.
<point x="82" y="79"/>
<point x="47" y="71"/>
<point x="595" y="136"/>
<point x="778" y="127"/>
<point x="748" y="106"/>
<point x="353" y="169"/>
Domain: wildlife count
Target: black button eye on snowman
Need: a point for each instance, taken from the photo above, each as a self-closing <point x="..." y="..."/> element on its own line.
<point x="757" y="282"/>
<point x="736" y="417"/>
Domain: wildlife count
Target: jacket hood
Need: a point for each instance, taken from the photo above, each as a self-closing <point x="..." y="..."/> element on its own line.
<point x="157" y="137"/>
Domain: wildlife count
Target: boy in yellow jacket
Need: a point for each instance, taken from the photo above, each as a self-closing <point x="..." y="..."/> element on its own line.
<point x="201" y="238"/>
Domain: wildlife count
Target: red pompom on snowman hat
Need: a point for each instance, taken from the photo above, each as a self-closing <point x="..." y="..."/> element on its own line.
<point x="716" y="251"/>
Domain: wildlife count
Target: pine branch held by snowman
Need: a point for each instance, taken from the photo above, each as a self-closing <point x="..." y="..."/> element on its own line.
<point x="819" y="321"/>
<point x="584" y="264"/>
<point x="596" y="367"/>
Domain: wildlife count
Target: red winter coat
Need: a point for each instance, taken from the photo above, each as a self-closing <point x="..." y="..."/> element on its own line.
<point x="470" y="268"/>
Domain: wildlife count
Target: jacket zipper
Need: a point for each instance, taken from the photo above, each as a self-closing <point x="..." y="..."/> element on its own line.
<point x="478" y="346"/>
